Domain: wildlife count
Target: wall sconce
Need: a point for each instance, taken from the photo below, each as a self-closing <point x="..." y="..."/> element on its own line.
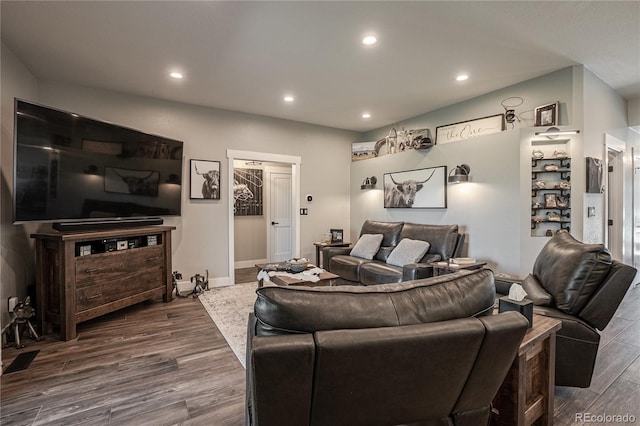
<point x="459" y="174"/>
<point x="369" y="183"/>
<point x="92" y="169"/>
<point x="173" y="178"/>
<point x="554" y="131"/>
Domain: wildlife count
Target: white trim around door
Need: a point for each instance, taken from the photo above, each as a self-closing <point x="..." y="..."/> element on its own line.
<point x="295" y="163"/>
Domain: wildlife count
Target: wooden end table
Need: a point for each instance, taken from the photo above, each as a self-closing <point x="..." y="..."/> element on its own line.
<point x="326" y="279"/>
<point x="526" y="395"/>
<point x="320" y="246"/>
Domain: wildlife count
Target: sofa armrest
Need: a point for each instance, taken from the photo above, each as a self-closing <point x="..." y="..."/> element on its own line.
<point x="535" y="292"/>
<point x="329" y="252"/>
<point x="605" y="301"/>
<point x="503" y="284"/>
<point x="280" y="366"/>
<point x="416" y="271"/>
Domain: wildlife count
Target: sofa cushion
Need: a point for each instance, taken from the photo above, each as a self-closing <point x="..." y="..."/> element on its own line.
<point x="281" y="310"/>
<point x="379" y="273"/>
<point x="348" y="267"/>
<point x="408" y="251"/>
<point x="571" y="271"/>
<point x="367" y="246"/>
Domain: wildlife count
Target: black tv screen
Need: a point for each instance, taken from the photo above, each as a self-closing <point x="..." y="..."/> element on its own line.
<point x="68" y="167"/>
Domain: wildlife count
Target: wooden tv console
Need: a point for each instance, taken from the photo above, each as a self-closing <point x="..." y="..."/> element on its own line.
<point x="82" y="275"/>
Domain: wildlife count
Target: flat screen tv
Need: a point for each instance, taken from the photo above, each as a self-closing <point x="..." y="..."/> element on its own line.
<point x="73" y="168"/>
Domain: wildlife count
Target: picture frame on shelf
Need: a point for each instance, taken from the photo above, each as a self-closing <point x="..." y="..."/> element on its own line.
<point x="205" y="180"/>
<point x="550" y="201"/>
<point x="547" y="115"/>
<point x="337" y="235"/>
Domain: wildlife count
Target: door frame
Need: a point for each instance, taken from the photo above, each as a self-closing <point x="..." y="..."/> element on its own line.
<point x="269" y="231"/>
<point x="621" y="196"/>
<point x="295" y="162"/>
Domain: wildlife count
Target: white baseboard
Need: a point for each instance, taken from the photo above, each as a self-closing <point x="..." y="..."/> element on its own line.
<point x="219" y="282"/>
<point x="248" y="263"/>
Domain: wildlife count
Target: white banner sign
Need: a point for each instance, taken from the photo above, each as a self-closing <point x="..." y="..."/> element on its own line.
<point x="469" y="129"/>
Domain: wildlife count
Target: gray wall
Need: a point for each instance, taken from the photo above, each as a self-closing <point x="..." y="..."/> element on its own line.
<point x="16" y="267"/>
<point x="487" y="209"/>
<point x="494" y="210"/>
<point x="201" y="239"/>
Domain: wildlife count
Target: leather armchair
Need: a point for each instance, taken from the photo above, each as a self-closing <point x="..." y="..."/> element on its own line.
<point x="580" y="285"/>
<point x="425" y="352"/>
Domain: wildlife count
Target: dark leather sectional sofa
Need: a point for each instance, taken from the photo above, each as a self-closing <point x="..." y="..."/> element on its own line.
<point x="445" y="242"/>
<point x="425" y="352"/>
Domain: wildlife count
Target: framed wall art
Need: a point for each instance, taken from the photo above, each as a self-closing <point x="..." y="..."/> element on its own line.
<point x="205" y="180"/>
<point x="421" y="189"/>
<point x="595" y="176"/>
<point x="247" y="192"/>
<point x="547" y="115"/>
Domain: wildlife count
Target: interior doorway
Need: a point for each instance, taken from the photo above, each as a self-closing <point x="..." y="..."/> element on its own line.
<point x="636" y="208"/>
<point x="615" y="202"/>
<point x="292" y="163"/>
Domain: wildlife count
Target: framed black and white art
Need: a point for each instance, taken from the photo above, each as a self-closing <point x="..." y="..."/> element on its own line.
<point x="205" y="180"/>
<point x="547" y="115"/>
<point x="418" y="189"/>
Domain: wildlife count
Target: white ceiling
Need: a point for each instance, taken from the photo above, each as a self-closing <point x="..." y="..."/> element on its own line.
<point x="245" y="56"/>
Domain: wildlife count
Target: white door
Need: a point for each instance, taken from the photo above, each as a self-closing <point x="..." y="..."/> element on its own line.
<point x="280" y="221"/>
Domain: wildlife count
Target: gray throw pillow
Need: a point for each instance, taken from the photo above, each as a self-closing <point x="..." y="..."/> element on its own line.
<point x="408" y="251"/>
<point x="367" y="246"/>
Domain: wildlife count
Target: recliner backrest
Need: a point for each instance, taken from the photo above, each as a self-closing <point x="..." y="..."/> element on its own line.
<point x="390" y="236"/>
<point x="438" y="373"/>
<point x="283" y="310"/>
<point x="571" y="271"/>
<point x="442" y="238"/>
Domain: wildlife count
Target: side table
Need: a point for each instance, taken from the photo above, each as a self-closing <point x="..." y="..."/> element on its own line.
<point x="320" y="246"/>
<point x="526" y="395"/>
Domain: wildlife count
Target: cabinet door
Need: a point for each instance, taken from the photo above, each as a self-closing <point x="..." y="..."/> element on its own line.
<point x="107" y="277"/>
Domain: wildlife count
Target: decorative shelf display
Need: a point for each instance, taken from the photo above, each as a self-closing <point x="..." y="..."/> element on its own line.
<point x="550" y="191"/>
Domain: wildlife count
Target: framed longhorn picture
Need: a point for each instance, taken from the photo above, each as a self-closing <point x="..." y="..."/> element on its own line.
<point x="418" y="189"/>
<point x="205" y="180"/>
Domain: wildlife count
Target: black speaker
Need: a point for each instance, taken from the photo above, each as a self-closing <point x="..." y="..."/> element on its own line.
<point x="96" y="225"/>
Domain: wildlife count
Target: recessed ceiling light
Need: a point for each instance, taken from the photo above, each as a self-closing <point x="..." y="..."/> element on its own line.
<point x="369" y="40"/>
<point x="462" y="77"/>
<point x="176" y="75"/>
<point x="366" y="115"/>
<point x="288" y="98"/>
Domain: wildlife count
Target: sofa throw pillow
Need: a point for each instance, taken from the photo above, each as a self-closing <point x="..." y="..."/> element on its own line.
<point x="367" y="246"/>
<point x="408" y="251"/>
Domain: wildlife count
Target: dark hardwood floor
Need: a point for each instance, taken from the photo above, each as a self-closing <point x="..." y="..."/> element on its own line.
<point x="167" y="364"/>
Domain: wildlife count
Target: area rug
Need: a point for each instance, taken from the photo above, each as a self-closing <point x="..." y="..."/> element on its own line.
<point x="229" y="308"/>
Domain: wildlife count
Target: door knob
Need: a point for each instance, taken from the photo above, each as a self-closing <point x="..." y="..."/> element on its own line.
<point x="274" y="223"/>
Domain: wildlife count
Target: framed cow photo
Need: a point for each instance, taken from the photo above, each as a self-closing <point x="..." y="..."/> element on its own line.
<point x="417" y="189"/>
<point x="205" y="180"/>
